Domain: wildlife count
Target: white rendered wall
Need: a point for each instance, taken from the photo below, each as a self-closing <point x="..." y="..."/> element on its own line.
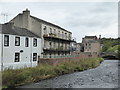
<point x="26" y="57"/>
<point x="0" y="50"/>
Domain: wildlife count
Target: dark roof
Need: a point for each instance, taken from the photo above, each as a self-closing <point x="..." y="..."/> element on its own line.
<point x="92" y="41"/>
<point x="90" y="37"/>
<point x="43" y="21"/>
<point x="9" y="29"/>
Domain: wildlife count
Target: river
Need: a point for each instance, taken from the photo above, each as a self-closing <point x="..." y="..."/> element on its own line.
<point x="104" y="76"/>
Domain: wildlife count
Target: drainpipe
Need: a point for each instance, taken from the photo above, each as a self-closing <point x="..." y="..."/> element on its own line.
<point x="2" y="55"/>
<point x="31" y="51"/>
<point x="1" y="50"/>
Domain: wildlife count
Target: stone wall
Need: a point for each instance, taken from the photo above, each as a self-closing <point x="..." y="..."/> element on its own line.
<point x="56" y="61"/>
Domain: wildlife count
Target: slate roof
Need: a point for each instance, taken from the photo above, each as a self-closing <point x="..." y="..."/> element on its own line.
<point x="92" y="41"/>
<point x="90" y="37"/>
<point x="45" y="22"/>
<point x="13" y="30"/>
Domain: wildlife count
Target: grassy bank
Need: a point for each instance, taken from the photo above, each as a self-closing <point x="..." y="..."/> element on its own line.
<point x="12" y="78"/>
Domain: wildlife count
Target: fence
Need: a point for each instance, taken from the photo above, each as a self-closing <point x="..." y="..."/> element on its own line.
<point x="60" y="56"/>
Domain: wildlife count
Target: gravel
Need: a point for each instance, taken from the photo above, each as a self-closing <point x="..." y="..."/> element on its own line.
<point x="104" y="76"/>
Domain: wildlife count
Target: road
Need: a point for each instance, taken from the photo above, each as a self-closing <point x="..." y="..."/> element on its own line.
<point x="104" y="76"/>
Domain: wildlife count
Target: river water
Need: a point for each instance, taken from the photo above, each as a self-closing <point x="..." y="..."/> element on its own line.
<point x="104" y="76"/>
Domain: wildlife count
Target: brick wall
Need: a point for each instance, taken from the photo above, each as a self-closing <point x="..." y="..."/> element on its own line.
<point x="56" y="61"/>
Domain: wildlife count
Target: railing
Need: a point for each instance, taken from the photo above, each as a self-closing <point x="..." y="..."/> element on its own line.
<point x="60" y="36"/>
<point x="60" y="56"/>
<point x="56" y="49"/>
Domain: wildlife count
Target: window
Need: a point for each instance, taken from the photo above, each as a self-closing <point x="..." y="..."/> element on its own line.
<point x="34" y="56"/>
<point x="62" y="35"/>
<point x="26" y="42"/>
<point x="50" y="30"/>
<point x="65" y="35"/>
<point x="54" y="45"/>
<point x="89" y="47"/>
<point x="35" y="42"/>
<point x="50" y="43"/>
<point x="44" y="28"/>
<point x="50" y="56"/>
<point x="17" y="57"/>
<point x="54" y="31"/>
<point x="6" y="40"/>
<point x="58" y="33"/>
<point x="17" y="41"/>
<point x="70" y="36"/>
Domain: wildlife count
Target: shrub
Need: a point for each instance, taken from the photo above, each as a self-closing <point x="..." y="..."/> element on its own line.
<point x="12" y="78"/>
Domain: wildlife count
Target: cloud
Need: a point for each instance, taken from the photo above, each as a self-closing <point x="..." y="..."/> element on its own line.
<point x="81" y="18"/>
<point x="59" y="0"/>
<point x="111" y="31"/>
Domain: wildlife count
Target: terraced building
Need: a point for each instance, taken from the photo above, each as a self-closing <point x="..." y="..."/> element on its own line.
<point x="56" y="40"/>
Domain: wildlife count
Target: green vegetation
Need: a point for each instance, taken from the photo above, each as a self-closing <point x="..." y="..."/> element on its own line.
<point x="113" y="49"/>
<point x="109" y="43"/>
<point x="12" y="78"/>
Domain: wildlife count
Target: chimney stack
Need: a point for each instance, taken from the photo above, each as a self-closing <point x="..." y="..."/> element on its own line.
<point x="26" y="12"/>
<point x="99" y="37"/>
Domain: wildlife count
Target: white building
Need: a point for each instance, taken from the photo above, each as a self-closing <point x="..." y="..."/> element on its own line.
<point x="19" y="47"/>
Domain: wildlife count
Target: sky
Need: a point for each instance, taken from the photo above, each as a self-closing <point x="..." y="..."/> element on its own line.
<point x="81" y="18"/>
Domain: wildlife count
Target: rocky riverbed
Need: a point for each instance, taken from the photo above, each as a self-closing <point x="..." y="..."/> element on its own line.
<point x="104" y="76"/>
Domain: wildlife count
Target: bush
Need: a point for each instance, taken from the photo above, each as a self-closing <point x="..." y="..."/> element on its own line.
<point x="12" y="78"/>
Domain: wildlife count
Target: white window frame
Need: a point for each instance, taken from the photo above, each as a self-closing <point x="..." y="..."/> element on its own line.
<point x="6" y="40"/>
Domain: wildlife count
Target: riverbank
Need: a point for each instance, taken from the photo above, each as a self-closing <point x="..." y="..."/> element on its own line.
<point x="13" y="78"/>
<point x="104" y="76"/>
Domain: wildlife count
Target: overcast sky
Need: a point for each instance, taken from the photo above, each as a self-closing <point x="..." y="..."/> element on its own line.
<point x="81" y="18"/>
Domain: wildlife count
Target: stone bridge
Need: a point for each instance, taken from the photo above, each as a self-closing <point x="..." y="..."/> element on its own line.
<point x="110" y="55"/>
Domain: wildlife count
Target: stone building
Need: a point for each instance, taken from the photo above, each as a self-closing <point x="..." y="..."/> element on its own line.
<point x="91" y="44"/>
<point x="55" y="40"/>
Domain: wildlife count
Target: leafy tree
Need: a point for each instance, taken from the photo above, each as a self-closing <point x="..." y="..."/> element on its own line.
<point x="108" y="43"/>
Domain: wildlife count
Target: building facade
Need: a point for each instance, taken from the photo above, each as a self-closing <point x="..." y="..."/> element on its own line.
<point x="55" y="40"/>
<point x="20" y="48"/>
<point x="91" y="44"/>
